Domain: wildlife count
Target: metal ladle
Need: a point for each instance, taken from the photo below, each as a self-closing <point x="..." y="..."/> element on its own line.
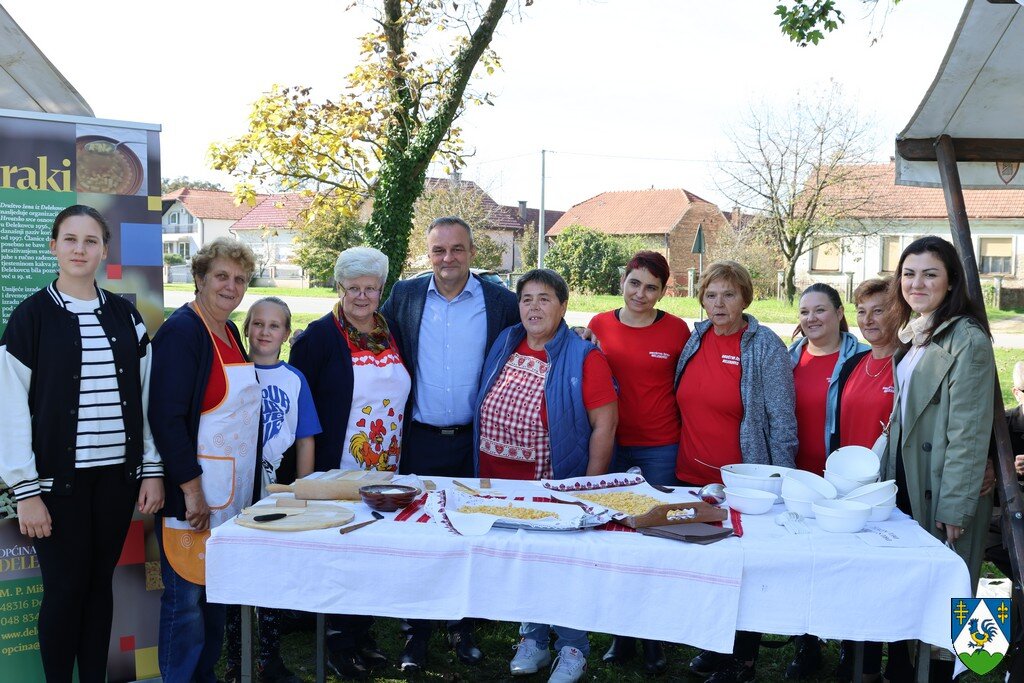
<point x="713" y="494"/>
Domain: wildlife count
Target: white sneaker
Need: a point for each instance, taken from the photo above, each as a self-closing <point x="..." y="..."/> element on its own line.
<point x="529" y="658"/>
<point x="570" y="665"/>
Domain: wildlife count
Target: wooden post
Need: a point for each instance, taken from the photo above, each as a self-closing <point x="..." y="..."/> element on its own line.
<point x="1007" y="488"/>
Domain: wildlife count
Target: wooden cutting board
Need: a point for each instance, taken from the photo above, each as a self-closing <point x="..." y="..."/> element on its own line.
<point x="312" y="516"/>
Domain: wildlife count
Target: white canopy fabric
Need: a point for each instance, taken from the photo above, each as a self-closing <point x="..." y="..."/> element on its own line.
<point x="978" y="93"/>
<point x="28" y="81"/>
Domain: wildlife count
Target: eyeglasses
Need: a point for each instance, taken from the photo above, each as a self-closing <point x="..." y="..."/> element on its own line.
<point x="368" y="292"/>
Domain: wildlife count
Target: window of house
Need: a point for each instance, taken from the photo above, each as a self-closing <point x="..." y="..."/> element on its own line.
<point x="825" y="257"/>
<point x="890" y="254"/>
<point x="996" y="255"/>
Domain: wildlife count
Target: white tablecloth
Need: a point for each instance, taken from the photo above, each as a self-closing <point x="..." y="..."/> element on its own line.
<point x="830" y="585"/>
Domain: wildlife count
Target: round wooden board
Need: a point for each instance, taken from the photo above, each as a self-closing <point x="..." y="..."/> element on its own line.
<point x="297" y="519"/>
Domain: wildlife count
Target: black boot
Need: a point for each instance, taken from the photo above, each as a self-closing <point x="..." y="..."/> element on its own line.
<point x="623" y="649"/>
<point x="807" y="660"/>
<point x="654" y="656"/>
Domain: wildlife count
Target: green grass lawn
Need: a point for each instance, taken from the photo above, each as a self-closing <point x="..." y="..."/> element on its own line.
<point x="313" y="292"/>
<point x="765" y="310"/>
<point x="496" y="640"/>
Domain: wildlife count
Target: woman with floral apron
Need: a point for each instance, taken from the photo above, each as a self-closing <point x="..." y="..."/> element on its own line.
<point x="206" y="405"/>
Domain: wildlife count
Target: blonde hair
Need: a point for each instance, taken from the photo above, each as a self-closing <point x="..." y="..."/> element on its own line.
<point x="268" y="300"/>
<point x="733" y="273"/>
<point x="224" y="248"/>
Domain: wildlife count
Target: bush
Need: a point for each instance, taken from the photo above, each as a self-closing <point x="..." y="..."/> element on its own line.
<point x="174" y="259"/>
<point x="587" y="259"/>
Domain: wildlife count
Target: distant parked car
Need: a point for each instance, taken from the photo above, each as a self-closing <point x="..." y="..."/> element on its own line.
<point x="488" y="275"/>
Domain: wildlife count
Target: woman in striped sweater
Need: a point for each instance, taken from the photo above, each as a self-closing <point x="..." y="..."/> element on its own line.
<point x="78" y="455"/>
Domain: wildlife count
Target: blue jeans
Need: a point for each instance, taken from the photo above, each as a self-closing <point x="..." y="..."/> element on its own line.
<point x="566" y="637"/>
<point x="191" y="629"/>
<point x="658" y="463"/>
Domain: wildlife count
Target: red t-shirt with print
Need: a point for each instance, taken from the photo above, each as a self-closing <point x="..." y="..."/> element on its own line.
<point x="643" y="360"/>
<point x="867" y="402"/>
<point x="811" y="378"/>
<point x="711" y="408"/>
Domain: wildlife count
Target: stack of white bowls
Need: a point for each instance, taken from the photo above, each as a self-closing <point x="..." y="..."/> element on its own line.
<point x="851" y="467"/>
<point x="800" y="490"/>
<point x="880" y="497"/>
<point x="841" y="516"/>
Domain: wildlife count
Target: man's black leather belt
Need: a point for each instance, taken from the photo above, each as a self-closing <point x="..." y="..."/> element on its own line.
<point x="444" y="431"/>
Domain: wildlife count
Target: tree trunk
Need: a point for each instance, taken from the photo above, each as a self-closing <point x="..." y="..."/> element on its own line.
<point x="791" y="281"/>
<point x="398" y="186"/>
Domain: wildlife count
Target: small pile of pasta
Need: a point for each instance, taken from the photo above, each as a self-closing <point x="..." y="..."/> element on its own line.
<point x="507" y="511"/>
<point x="632" y="504"/>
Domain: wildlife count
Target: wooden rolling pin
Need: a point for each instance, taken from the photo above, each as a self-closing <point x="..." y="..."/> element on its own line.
<point x="324" y="489"/>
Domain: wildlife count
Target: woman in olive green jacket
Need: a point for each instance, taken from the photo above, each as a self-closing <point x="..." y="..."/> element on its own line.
<point x="942" y="415"/>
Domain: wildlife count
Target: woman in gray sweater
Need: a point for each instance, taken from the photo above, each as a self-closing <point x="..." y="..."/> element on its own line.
<point x="734" y="385"/>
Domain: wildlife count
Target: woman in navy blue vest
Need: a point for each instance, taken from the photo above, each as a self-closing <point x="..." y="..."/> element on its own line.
<point x="547" y="409"/>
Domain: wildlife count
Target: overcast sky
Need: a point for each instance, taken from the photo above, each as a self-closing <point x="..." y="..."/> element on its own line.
<point x="626" y="94"/>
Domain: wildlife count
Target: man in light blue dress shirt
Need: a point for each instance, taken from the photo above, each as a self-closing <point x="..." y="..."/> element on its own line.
<point x="444" y="325"/>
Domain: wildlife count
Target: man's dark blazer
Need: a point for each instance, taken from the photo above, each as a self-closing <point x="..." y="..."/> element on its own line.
<point x="404" y="311"/>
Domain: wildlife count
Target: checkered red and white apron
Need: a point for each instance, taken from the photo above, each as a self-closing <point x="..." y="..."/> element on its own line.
<point x="511" y="429"/>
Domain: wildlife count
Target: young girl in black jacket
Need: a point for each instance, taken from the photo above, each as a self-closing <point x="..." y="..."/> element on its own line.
<point x="78" y="456"/>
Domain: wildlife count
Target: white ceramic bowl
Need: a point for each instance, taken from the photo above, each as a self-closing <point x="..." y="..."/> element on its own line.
<point x="748" y="476"/>
<point x="853" y="462"/>
<point x="841" y="516"/>
<point x="880" y="513"/>
<point x="798" y="505"/>
<point x="873" y="494"/>
<point x="806" y="486"/>
<point x="749" y="501"/>
<point x="842" y="484"/>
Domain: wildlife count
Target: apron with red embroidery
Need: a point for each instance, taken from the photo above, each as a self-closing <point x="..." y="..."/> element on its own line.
<point x="228" y="435"/>
<point x="512" y="433"/>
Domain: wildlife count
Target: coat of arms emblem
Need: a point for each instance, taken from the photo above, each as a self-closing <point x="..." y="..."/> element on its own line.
<point x="980" y="631"/>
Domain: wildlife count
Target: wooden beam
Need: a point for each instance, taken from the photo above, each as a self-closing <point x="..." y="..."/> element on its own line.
<point x="966" y="149"/>
<point x="958" y="222"/>
<point x="1008" y="491"/>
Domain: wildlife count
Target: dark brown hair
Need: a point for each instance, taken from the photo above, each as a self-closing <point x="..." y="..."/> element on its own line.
<point x="956" y="301"/>
<point x="834" y="299"/>
<point x="80" y="210"/>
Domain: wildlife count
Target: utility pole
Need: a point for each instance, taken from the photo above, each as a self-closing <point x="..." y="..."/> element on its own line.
<point x="540" y="221"/>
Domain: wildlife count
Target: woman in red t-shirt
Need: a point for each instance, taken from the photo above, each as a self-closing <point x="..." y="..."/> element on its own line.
<point x="866" y="384"/>
<point x="866" y="390"/>
<point x="735" y="395"/>
<point x="642" y="345"/>
<point x="817" y="358"/>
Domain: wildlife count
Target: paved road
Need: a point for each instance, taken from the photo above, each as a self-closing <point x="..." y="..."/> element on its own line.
<point x="299" y="304"/>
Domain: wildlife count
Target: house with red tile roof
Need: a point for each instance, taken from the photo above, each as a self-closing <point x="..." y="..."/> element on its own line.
<point x="270" y="229"/>
<point x="899" y="214"/>
<point x="191" y="218"/>
<point x="668" y="217"/>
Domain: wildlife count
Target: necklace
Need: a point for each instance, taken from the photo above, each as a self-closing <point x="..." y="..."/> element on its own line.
<point x="880" y="370"/>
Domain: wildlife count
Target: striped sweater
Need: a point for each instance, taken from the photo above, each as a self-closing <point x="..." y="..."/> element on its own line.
<point x="75" y="377"/>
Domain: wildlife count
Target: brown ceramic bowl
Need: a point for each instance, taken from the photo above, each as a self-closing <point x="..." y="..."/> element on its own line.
<point x="388" y="497"/>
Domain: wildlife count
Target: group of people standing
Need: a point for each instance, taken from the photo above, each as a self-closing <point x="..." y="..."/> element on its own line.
<point x="456" y="376"/>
